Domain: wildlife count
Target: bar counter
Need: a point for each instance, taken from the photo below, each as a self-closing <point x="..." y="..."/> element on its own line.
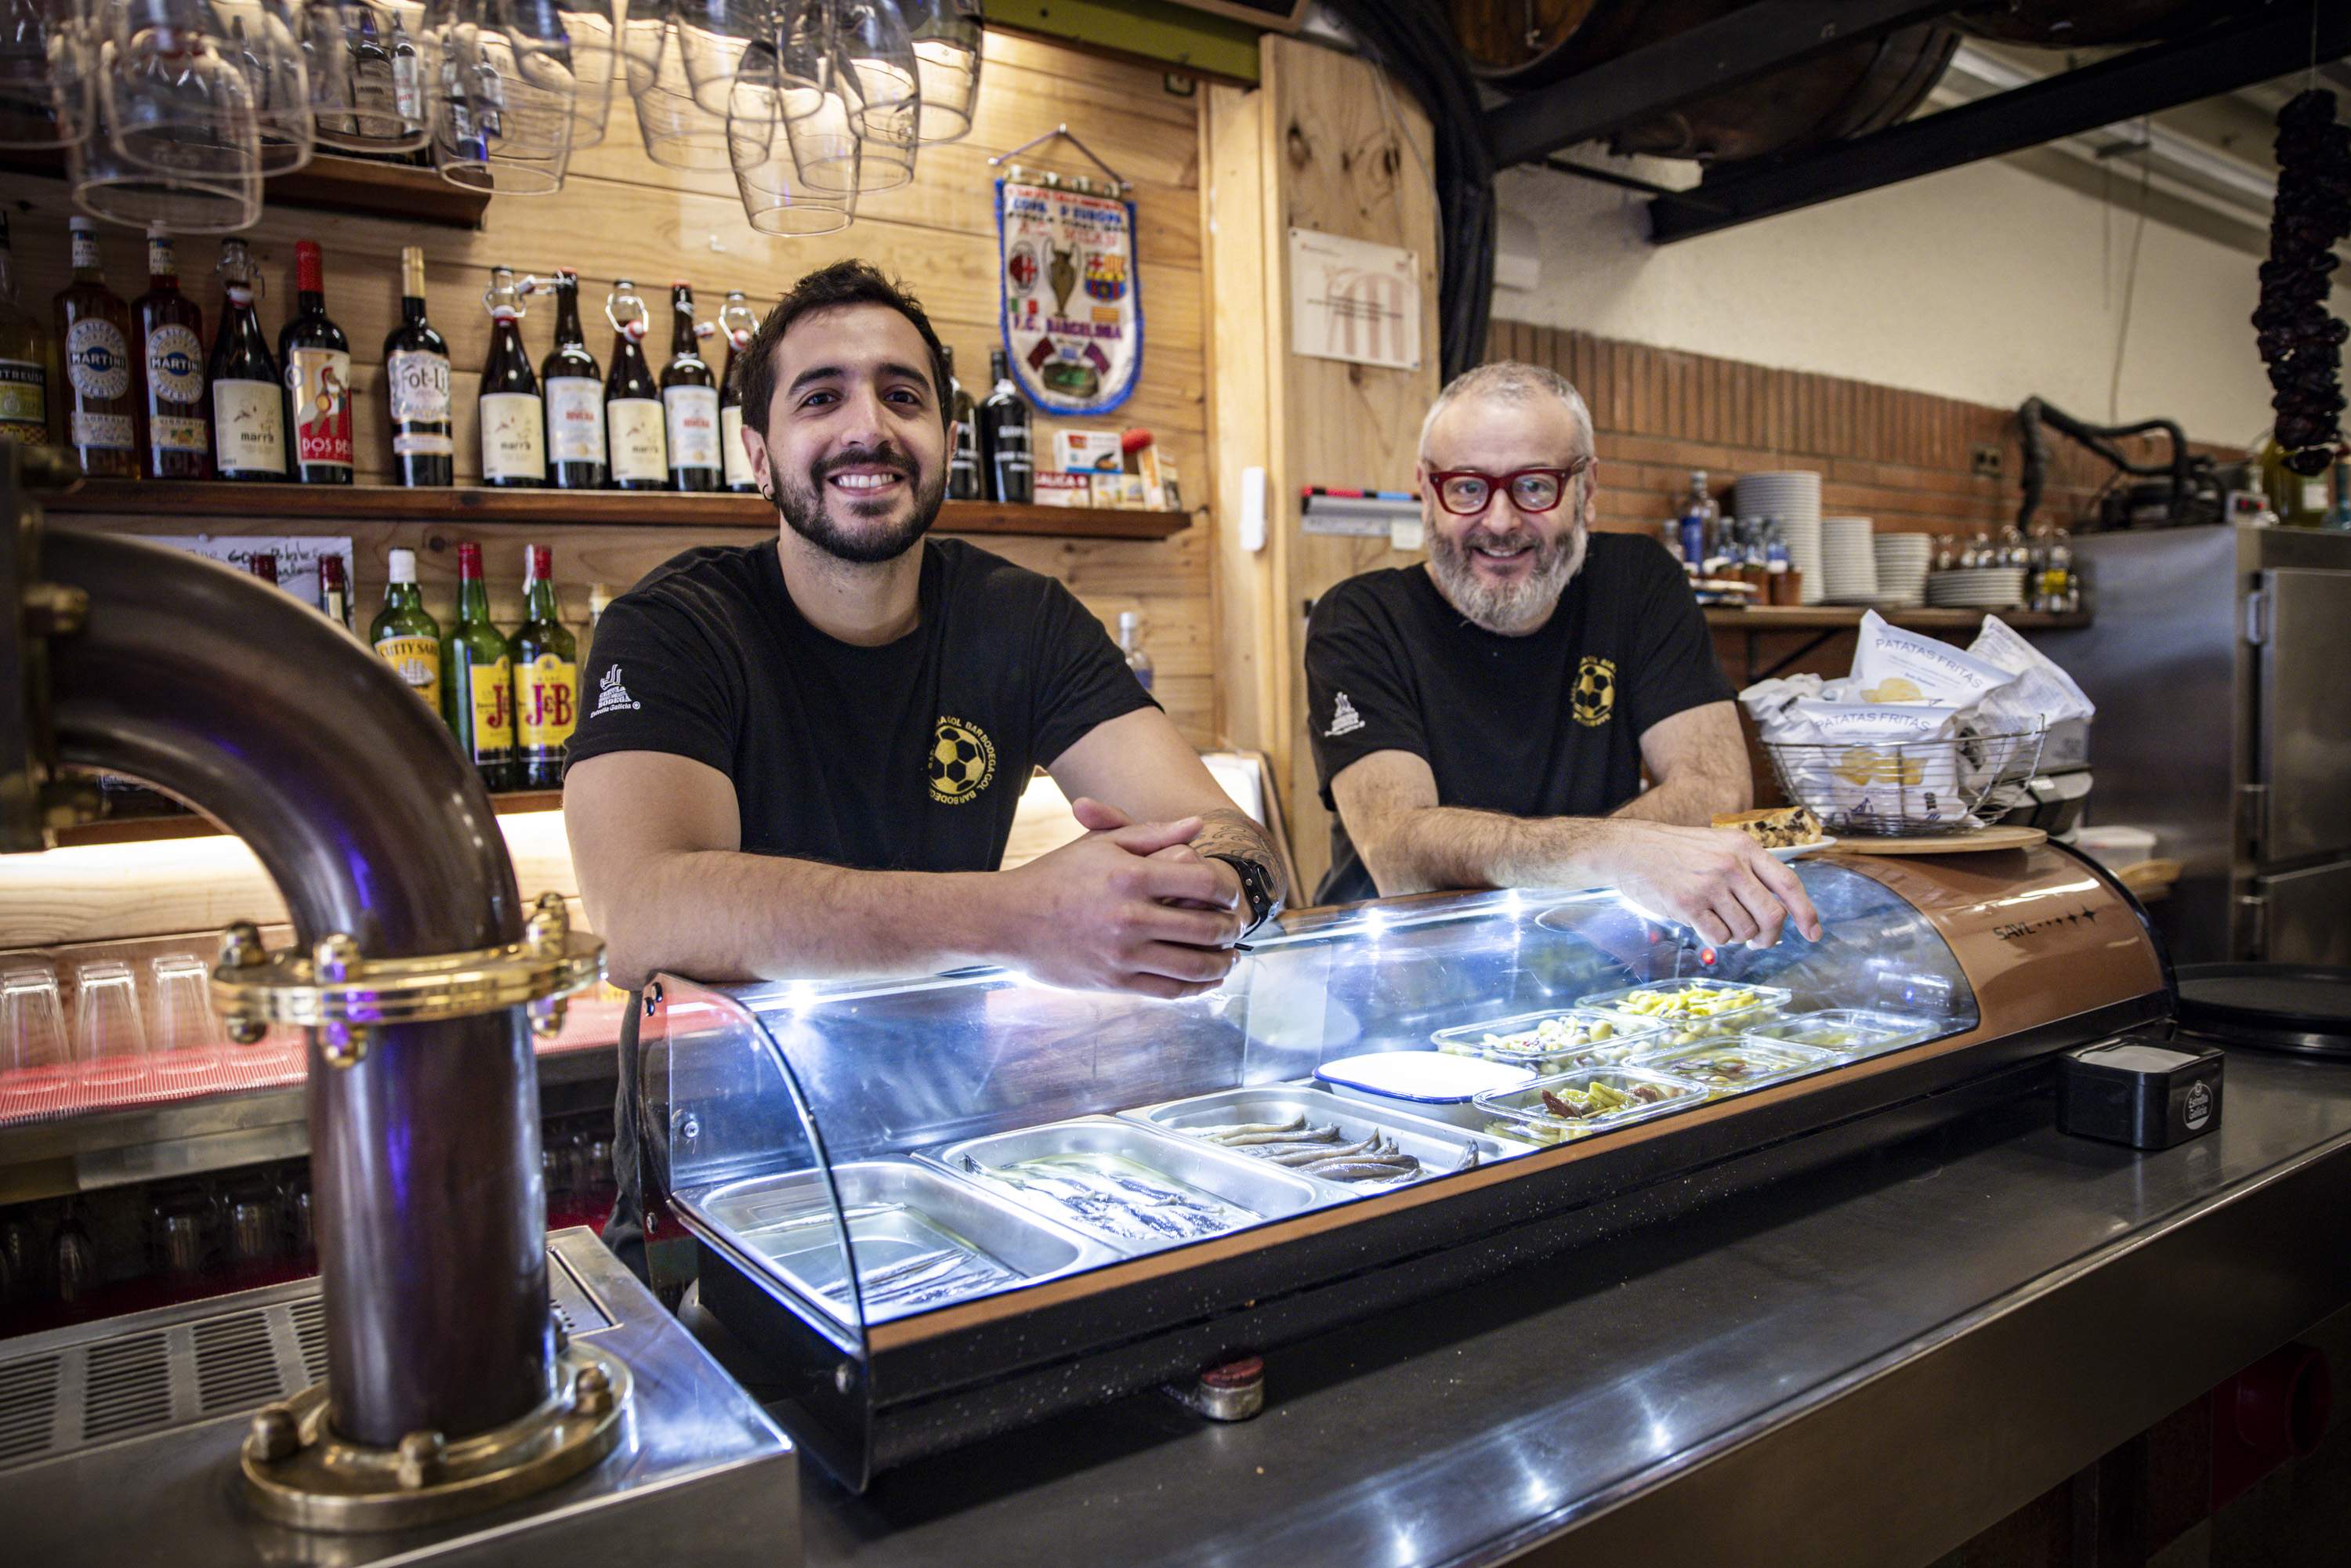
<point x="1864" y="1363"/>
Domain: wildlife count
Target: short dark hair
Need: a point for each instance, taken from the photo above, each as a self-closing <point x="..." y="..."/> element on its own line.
<point x="846" y="282"/>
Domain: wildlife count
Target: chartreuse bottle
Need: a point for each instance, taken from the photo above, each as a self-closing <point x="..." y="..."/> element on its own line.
<point x="477" y="678"/>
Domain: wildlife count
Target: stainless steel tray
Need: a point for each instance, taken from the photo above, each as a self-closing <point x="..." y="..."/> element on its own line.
<point x="1437" y="1145"/>
<point x="908" y="1224"/>
<point x="1083" y="1161"/>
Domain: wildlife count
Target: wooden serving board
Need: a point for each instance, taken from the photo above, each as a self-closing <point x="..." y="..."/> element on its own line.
<point x="1992" y="837"/>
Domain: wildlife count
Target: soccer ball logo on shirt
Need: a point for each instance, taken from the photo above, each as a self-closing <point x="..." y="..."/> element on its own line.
<point x="1595" y="691"/>
<point x="962" y="760"/>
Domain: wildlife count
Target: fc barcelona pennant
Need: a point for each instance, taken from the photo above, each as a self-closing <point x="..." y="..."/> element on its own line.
<point x="1072" y="305"/>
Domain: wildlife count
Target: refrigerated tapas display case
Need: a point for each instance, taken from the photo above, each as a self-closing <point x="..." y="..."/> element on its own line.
<point x="943" y="1206"/>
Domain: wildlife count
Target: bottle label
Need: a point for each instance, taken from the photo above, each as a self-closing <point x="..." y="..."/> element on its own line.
<point x="160" y="260"/>
<point x="730" y="445"/>
<point x="2314" y="495"/>
<point x="548" y="702"/>
<point x="491" y="691"/>
<point x="639" y="450"/>
<point x="249" y="425"/>
<point x="175" y="365"/>
<point x="693" y="426"/>
<point x="84" y="248"/>
<point x="99" y="431"/>
<point x="417" y="661"/>
<point x="24" y="402"/>
<point x="514" y="446"/>
<point x="319" y="385"/>
<point x="96" y="363"/>
<point x="407" y="84"/>
<point x="420" y="396"/>
<point x="575" y="420"/>
<point x="177" y="432"/>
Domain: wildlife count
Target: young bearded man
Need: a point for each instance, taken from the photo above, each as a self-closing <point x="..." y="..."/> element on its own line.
<point x="801" y="758"/>
<point x="1484" y="721"/>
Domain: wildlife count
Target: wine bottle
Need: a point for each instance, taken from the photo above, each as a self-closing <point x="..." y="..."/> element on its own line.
<point x="334" y="591"/>
<point x="372" y="93"/>
<point x="318" y="360"/>
<point x="1004" y="437"/>
<point x="478" y="677"/>
<point x="262" y="564"/>
<point x="575" y="397"/>
<point x="248" y="400"/>
<point x="416" y="368"/>
<point x="513" y="427"/>
<point x="546" y="677"/>
<point x="404" y="635"/>
<point x="23" y="360"/>
<point x="172" y="347"/>
<point x="739" y="322"/>
<point x="94" y="326"/>
<point x="632" y="405"/>
<point x="689" y="394"/>
<point x="963" y="458"/>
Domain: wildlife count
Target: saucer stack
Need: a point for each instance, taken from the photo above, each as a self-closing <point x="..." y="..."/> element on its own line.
<point x="1793" y="499"/>
<point x="1903" y="560"/>
<point x="1847" y="561"/>
<point x="1978" y="587"/>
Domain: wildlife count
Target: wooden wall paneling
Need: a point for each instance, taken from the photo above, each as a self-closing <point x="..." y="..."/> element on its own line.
<point x="1242" y="280"/>
<point x="1345" y="167"/>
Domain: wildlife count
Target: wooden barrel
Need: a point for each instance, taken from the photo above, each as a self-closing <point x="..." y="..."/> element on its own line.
<point x="2084" y="24"/>
<point x="1848" y="91"/>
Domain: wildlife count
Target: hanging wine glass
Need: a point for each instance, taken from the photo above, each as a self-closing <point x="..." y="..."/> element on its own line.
<point x="371" y="63"/>
<point x="677" y="132"/>
<point x="713" y="36"/>
<point x="503" y="122"/>
<point x="211" y="182"/>
<point x="946" y="56"/>
<point x="775" y="201"/>
<point x="172" y="102"/>
<point x="820" y="123"/>
<point x="48" y="83"/>
<point x="264" y="43"/>
<point x="882" y="89"/>
<point x="593" y="28"/>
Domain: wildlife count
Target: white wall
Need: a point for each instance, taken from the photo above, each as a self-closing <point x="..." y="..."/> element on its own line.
<point x="1986" y="283"/>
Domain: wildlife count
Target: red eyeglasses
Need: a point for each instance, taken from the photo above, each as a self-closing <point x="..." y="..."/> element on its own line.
<point x="1465" y="492"/>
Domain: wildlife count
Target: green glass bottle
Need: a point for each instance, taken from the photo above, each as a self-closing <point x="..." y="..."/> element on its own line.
<point x="404" y="634"/>
<point x="546" y="676"/>
<point x="477" y="678"/>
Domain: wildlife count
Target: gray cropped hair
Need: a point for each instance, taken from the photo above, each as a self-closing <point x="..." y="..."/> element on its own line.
<point x="1512" y="380"/>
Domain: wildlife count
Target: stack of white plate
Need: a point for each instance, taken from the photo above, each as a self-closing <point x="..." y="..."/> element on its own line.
<point x="1848" y="565"/>
<point x="1793" y="497"/>
<point x="1903" y="560"/>
<point x="1978" y="587"/>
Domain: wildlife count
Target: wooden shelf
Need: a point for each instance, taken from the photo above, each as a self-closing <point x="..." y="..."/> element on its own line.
<point x="319" y="504"/>
<point x="190" y="825"/>
<point x="329" y="183"/>
<point x="1834" y="617"/>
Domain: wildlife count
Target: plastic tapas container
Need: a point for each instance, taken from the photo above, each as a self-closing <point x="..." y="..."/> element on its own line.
<point x="1551" y="1041"/>
<point x="1729" y="1065"/>
<point x="1694" y="1008"/>
<point x="1845" y="1032"/>
<point x="1577" y="1104"/>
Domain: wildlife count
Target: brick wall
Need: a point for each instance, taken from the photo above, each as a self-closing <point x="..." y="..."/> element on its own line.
<point x="1904" y="458"/>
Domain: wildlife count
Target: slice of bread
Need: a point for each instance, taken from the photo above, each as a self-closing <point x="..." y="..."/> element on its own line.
<point x="1776" y="827"/>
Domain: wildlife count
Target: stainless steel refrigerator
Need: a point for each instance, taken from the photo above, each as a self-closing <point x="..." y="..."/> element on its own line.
<point x="2221" y="661"/>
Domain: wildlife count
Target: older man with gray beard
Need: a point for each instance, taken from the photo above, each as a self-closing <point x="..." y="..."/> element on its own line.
<point x="1485" y="721"/>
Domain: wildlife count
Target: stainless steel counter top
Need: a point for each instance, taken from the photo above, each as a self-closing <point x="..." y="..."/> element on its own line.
<point x="1865" y="1364"/>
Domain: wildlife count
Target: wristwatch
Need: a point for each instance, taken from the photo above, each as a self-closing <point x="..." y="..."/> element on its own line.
<point x="1255" y="887"/>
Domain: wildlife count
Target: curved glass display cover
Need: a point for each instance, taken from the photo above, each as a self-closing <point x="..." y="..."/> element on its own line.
<point x="874" y="1151"/>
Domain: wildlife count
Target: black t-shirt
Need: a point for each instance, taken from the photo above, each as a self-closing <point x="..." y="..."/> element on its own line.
<point x="908" y="757"/>
<point x="1547" y="725"/>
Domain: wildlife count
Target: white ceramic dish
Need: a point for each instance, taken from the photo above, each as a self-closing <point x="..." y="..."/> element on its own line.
<point x="1424" y="1077"/>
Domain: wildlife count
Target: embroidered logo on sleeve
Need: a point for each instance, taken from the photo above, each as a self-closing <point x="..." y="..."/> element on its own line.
<point x="1344" y="719"/>
<point x="611" y="696"/>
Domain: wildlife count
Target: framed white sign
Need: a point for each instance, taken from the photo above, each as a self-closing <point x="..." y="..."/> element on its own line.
<point x="1353" y="300"/>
